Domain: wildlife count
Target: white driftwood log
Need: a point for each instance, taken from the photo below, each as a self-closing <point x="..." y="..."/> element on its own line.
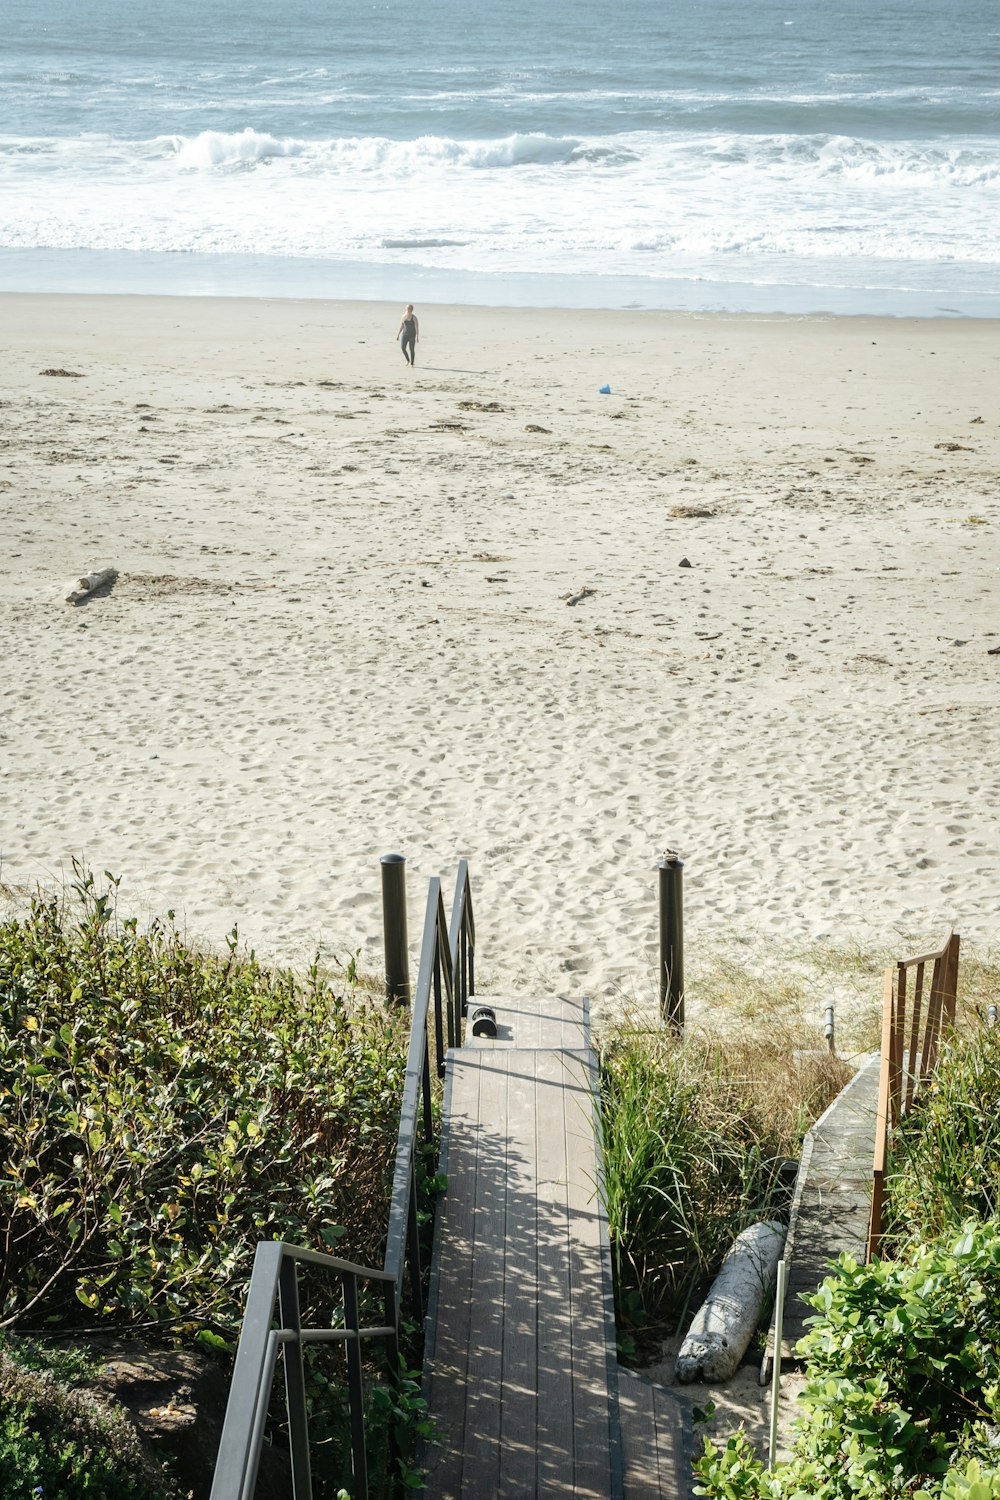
<point x="81" y="587"/>
<point x="725" y="1323"/>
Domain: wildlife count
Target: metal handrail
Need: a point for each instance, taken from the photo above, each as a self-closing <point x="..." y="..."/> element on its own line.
<point x="447" y="968"/>
<point x="900" y="1081"/>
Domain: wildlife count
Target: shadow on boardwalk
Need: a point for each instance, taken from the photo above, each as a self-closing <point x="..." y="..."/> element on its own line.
<point x="521" y="1375"/>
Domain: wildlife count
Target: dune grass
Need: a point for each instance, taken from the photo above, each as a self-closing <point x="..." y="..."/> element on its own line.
<point x="696" y="1141"/>
<point x="734" y="983"/>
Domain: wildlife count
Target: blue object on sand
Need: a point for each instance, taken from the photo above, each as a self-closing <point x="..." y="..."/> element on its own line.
<point x="605" y="390"/>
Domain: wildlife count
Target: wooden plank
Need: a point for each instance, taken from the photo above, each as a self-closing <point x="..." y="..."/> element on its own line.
<point x="951" y="995"/>
<point x="656" y="1435"/>
<point x="554" y="1470"/>
<point x="519" y="1397"/>
<point x="574" y="1025"/>
<point x="573" y="1033"/>
<point x="673" y="1444"/>
<point x="481" y="1463"/>
<point x="517" y="1023"/>
<point x="912" y="1068"/>
<point x="454" y="1246"/>
<point x="928" y="1055"/>
<point x="527" y="1027"/>
<point x="554" y="1022"/>
<point x="882" y="1114"/>
<point x="831" y="1208"/>
<point x="589" y="1313"/>
<point x="638" y="1427"/>
<point x="896" y="1048"/>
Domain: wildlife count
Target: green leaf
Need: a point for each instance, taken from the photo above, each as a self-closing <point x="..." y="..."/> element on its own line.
<point x="212" y="1340"/>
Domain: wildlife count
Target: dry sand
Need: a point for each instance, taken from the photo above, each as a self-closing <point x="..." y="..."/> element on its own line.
<point x="341" y="624"/>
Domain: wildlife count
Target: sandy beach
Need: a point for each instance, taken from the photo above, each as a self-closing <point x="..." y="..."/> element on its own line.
<point x="745" y="606"/>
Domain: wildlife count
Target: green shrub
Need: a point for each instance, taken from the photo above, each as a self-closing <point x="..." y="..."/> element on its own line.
<point x="945" y="1159"/>
<point x="903" y="1380"/>
<point x="162" y="1110"/>
<point x="694" y="1137"/>
<point x="59" y="1443"/>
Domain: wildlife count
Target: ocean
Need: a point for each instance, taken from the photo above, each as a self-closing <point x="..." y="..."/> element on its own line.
<point x="775" y="155"/>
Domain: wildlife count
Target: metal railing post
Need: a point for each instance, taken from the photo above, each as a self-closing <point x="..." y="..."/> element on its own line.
<point x="829" y="1033"/>
<point x="413" y="1242"/>
<point x="355" y="1388"/>
<point x="671" y="894"/>
<point x="470" y="989"/>
<point x="397" y="964"/>
<point x="779" y="1312"/>
<point x="446" y="966"/>
<point x="295" y="1382"/>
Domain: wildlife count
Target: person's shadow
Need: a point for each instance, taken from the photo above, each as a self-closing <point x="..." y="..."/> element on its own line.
<point x="449" y="370"/>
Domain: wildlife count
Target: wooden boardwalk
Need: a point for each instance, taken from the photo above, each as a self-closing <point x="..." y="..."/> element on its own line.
<point x="831" y="1204"/>
<point x="521" y="1372"/>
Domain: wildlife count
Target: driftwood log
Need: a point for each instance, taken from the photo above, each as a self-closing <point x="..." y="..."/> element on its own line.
<point x="81" y="587"/>
<point x="725" y="1323"/>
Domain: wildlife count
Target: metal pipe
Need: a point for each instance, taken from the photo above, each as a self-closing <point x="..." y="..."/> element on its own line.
<point x="355" y="1390"/>
<point x="295" y="1381"/>
<point x="671" y="882"/>
<point x="779" y="1314"/>
<point x="413" y="1242"/>
<point x="397" y="963"/>
<point x="828" y="1031"/>
<point x="251" y="1380"/>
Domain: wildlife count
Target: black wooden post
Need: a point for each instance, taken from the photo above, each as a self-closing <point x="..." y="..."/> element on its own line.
<point x="397" y="963"/>
<point x="671" y="877"/>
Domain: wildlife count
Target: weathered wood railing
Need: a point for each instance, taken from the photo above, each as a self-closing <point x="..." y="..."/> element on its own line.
<point x="447" y="973"/>
<point x="913" y="1017"/>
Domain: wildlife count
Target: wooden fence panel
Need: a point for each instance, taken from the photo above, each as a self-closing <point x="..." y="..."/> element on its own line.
<point x="909" y="1063"/>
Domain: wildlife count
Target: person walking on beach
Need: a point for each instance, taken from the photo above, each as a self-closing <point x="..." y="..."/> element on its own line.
<point x="408" y="334"/>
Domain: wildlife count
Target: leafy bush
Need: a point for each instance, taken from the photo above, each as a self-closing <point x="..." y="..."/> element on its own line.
<point x="945" y="1162"/>
<point x="903" y="1385"/>
<point x="58" y="1441"/>
<point x="162" y="1110"/>
<point x="694" y="1140"/>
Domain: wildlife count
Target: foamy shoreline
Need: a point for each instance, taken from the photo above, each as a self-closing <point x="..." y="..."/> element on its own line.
<point x="150" y="273"/>
<point x="341" y="625"/>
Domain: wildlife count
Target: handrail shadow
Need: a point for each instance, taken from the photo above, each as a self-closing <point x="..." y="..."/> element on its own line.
<point x="446" y="975"/>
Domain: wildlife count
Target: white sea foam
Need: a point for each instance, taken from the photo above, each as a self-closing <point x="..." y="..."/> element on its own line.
<point x="684" y="203"/>
<point x="213" y="150"/>
<point x="964" y="163"/>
